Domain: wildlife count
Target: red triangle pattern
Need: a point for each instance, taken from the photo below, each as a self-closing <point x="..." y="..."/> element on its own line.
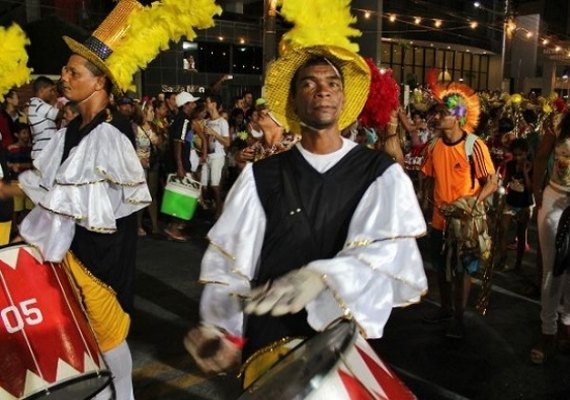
<point x="55" y="337"/>
<point x="355" y="389"/>
<point x="392" y="386"/>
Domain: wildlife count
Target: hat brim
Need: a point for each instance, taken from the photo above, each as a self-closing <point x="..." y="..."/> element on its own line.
<point x="80" y="49"/>
<point x="354" y="69"/>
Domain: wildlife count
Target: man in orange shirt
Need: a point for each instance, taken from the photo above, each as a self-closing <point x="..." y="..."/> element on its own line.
<point x="455" y="174"/>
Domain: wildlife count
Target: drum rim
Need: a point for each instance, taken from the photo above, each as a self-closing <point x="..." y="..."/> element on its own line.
<point x="50" y="391"/>
<point x="309" y="387"/>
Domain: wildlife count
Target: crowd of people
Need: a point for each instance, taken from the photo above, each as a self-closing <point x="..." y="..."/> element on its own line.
<point x="316" y="212"/>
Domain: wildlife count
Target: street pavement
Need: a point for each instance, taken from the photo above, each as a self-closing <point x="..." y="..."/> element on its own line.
<point x="491" y="362"/>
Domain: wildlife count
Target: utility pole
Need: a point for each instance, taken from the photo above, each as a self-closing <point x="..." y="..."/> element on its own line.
<point x="508" y="32"/>
<point x="269" y="32"/>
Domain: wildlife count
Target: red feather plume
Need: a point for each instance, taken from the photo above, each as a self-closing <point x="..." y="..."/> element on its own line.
<point x="383" y="99"/>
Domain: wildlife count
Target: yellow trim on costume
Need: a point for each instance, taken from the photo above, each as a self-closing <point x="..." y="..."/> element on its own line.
<point x="366" y="242"/>
<point x="208" y="282"/>
<point x="108" y="320"/>
<point x="5" y="228"/>
<point x="264" y="358"/>
<point x="221" y="250"/>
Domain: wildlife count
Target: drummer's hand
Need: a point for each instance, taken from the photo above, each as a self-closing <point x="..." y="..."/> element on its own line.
<point x="17" y="239"/>
<point x="286" y="295"/>
<point x="212" y="350"/>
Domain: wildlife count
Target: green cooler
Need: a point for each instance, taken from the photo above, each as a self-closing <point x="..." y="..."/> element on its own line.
<point x="180" y="197"/>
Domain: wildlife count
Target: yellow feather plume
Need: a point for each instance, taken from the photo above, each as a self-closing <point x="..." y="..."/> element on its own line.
<point x="13" y="62"/>
<point x="324" y="22"/>
<point x="152" y="28"/>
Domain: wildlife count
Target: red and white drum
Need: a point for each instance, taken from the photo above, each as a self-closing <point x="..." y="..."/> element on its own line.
<point x="47" y="348"/>
<point x="337" y="364"/>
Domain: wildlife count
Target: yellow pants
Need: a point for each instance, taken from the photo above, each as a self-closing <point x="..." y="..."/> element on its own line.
<point x="106" y="316"/>
<point x="5" y="228"/>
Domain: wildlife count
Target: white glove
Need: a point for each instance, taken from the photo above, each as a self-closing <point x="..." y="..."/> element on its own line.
<point x="212" y="350"/>
<point x="286" y="295"/>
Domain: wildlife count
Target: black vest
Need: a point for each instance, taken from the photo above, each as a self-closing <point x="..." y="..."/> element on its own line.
<point x="308" y="215"/>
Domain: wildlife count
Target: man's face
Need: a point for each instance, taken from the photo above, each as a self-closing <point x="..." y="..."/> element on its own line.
<point x="48" y="94"/>
<point x="211" y="106"/>
<point x="78" y="82"/>
<point x="126" y="109"/>
<point x="188" y="107"/>
<point x="248" y="99"/>
<point x="262" y="120"/>
<point x="444" y="120"/>
<point x="13" y="100"/>
<point x="171" y="101"/>
<point x="319" y="97"/>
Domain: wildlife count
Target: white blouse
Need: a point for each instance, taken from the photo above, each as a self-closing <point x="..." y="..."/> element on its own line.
<point x="100" y="181"/>
<point x="380" y="266"/>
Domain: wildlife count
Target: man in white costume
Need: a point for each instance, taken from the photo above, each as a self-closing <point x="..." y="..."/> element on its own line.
<point x="326" y="230"/>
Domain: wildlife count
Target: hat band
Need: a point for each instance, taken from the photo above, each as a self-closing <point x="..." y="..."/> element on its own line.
<point x="98" y="47"/>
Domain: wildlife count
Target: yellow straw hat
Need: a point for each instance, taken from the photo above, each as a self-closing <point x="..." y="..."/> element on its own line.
<point x="132" y="35"/>
<point x="320" y="31"/>
<point x="353" y="68"/>
<point x="106" y="38"/>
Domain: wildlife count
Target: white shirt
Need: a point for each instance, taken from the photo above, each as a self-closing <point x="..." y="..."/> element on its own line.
<point x="379" y="267"/>
<point x="221" y="126"/>
<point x="42" y="118"/>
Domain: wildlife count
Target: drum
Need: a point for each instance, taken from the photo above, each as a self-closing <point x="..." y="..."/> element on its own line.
<point x="337" y="364"/>
<point x="180" y="197"/>
<point x="47" y="347"/>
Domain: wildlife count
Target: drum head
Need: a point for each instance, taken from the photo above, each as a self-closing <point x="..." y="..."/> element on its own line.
<point x="81" y="388"/>
<point x="301" y="371"/>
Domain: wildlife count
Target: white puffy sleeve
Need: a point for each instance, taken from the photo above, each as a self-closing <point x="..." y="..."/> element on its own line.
<point x="101" y="181"/>
<point x="230" y="261"/>
<point x="380" y="266"/>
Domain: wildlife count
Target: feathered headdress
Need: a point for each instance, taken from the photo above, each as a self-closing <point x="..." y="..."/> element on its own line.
<point x="321" y="29"/>
<point x="459" y="98"/>
<point x="132" y="35"/>
<point x="13" y="63"/>
<point x="383" y="99"/>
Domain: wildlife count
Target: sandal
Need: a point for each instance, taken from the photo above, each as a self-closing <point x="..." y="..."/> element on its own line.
<point x="541" y="351"/>
<point x="175" y="236"/>
<point x="141" y="232"/>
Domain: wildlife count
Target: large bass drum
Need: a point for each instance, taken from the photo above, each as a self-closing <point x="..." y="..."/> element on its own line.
<point x="337" y="364"/>
<point x="47" y="348"/>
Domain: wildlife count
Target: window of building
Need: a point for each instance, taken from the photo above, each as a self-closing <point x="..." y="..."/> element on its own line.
<point x="214" y="57"/>
<point x="247" y="59"/>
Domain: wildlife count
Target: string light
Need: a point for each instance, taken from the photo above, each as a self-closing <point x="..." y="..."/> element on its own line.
<point x="510" y="25"/>
<point x="221" y="38"/>
<point x="241" y="41"/>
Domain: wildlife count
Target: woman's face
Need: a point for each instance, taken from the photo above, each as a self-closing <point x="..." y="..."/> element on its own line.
<point x="162" y="111"/>
<point x="148" y="113"/>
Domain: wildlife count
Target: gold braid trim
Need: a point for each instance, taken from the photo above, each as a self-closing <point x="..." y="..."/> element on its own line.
<point x="129" y="184"/>
<point x="207" y="282"/>
<point x="222" y="250"/>
<point x="347" y="313"/>
<point x="267" y="349"/>
<point x="75" y="217"/>
<point x="366" y="242"/>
